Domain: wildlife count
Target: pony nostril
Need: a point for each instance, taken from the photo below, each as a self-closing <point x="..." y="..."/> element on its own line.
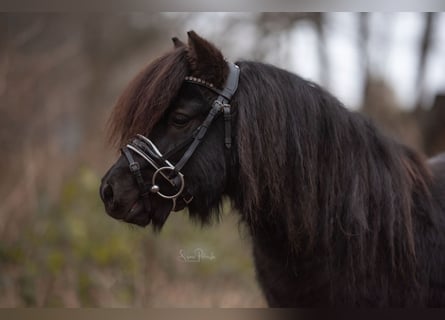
<point x="107" y="193"/>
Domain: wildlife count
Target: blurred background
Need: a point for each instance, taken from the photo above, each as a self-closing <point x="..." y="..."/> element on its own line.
<point x="60" y="75"/>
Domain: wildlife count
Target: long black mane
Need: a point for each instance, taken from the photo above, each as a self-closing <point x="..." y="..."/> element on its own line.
<point x="328" y="179"/>
<point x="312" y="179"/>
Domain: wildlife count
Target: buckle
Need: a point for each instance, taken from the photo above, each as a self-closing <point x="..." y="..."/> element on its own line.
<point x="187" y="198"/>
<point x="134" y="166"/>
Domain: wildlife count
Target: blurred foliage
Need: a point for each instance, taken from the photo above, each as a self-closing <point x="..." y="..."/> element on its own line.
<point x="60" y="74"/>
<point x="71" y="253"/>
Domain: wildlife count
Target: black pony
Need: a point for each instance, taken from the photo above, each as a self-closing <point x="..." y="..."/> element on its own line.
<point x="339" y="214"/>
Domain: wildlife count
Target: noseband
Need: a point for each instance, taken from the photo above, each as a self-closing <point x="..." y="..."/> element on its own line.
<point x="164" y="169"/>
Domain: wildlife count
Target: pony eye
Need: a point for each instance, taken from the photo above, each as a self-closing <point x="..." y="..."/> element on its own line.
<point x="180" y="119"/>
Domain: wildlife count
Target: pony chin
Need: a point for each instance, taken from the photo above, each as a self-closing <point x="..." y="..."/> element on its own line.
<point x="161" y="212"/>
<point x="156" y="217"/>
<point x="160" y="216"/>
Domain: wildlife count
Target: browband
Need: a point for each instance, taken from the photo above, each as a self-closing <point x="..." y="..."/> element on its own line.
<point x="230" y="86"/>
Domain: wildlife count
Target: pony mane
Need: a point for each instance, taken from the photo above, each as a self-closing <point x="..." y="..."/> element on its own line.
<point x="151" y="92"/>
<point x="355" y="194"/>
<point x="147" y="97"/>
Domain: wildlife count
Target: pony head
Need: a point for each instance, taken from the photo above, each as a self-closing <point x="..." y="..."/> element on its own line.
<point x="160" y="105"/>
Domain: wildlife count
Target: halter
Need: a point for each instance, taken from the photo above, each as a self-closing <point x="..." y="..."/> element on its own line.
<point x="164" y="169"/>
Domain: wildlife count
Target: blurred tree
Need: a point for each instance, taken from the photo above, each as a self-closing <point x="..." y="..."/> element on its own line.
<point x="425" y="45"/>
<point x="271" y="25"/>
<point x="378" y="99"/>
<point x="433" y="126"/>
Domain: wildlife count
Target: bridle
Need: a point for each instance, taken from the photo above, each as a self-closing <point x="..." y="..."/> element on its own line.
<point x="166" y="170"/>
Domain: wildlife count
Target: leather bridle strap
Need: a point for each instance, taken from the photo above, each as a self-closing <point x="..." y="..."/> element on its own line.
<point x="224" y="97"/>
<point x="202" y="130"/>
<point x="219" y="105"/>
<point x="135" y="169"/>
<point x="169" y="154"/>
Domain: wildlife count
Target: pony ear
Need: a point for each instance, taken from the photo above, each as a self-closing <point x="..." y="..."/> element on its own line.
<point x="177" y="43"/>
<point x="206" y="61"/>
